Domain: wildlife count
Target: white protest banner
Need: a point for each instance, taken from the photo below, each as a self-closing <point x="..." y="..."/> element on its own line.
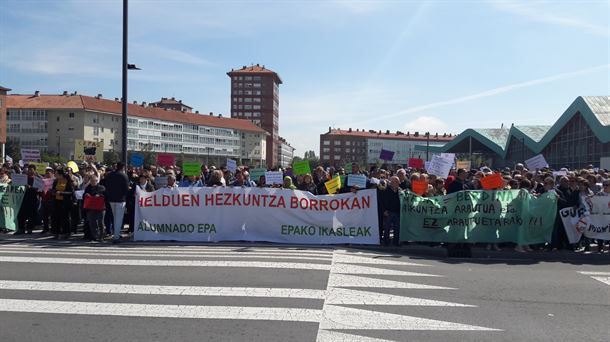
<point x="274" y="177"/>
<point x="440" y="166"/>
<point x="231" y="165"/>
<point x="38" y="184"/>
<point x="427" y="165"/>
<point x="256" y="214"/>
<point x="356" y="180"/>
<point x="560" y="173"/>
<point x="536" y="162"/>
<point x="593" y="220"/>
<point x="160" y="182"/>
<point x="19" y="179"/>
<point x="30" y="154"/>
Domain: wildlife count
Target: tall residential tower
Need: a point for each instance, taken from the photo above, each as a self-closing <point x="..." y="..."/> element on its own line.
<point x="255" y="97"/>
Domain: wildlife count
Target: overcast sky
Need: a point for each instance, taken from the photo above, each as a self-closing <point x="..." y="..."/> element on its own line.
<point x="439" y="66"/>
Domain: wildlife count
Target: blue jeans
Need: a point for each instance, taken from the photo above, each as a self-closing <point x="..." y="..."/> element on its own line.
<point x="391" y="222"/>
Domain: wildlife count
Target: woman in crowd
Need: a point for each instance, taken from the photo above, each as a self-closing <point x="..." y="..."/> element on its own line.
<point x="95" y="215"/>
<point x="63" y="190"/>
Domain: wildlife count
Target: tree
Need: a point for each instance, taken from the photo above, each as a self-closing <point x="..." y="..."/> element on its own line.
<point x="310" y="155"/>
<point x="13" y="149"/>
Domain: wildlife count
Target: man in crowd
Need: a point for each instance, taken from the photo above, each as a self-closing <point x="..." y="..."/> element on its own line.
<point x="117" y="187"/>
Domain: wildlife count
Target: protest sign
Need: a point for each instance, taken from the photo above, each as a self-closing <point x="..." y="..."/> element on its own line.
<point x="78" y="194"/>
<point x="11" y="197"/>
<point x="448" y="155"/>
<point x="478" y="216"/>
<point x="386" y="155"/>
<point x="348" y="168"/>
<point x="38" y="184"/>
<point x="19" y="179"/>
<point x="419" y="187"/>
<point x="536" y="162"/>
<point x="274" y="177"/>
<point x="256" y="214"/>
<point x="160" y="182"/>
<point x="427" y="165"/>
<point x="40" y="167"/>
<point x="255" y="174"/>
<point x="492" y="182"/>
<point x="30" y="155"/>
<point x="166" y="159"/>
<point x="191" y="169"/>
<point x="231" y="165"/>
<point x="592" y="220"/>
<point x="604" y="163"/>
<point x="343" y="179"/>
<point x="85" y="150"/>
<point x="560" y="173"/>
<point x="463" y="164"/>
<point x="8" y="159"/>
<point x="440" y="166"/>
<point x="137" y="160"/>
<point x="333" y="185"/>
<point x="301" y="167"/>
<point x="356" y="180"/>
<point x="416" y="163"/>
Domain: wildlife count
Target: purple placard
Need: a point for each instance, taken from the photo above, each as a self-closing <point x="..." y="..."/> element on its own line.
<point x="386" y="155"/>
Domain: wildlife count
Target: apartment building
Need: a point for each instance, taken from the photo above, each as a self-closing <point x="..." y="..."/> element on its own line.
<point x="51" y="123"/>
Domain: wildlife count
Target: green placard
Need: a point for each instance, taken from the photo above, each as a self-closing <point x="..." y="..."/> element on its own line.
<point x="478" y="216"/>
<point x="191" y="169"/>
<point x="255" y="174"/>
<point x="301" y="167"/>
<point x="10" y="202"/>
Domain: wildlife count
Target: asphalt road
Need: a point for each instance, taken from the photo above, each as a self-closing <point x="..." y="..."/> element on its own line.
<point x="75" y="291"/>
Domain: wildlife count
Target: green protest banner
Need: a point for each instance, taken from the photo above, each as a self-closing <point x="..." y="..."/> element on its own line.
<point x="301" y="167"/>
<point x="191" y="169"/>
<point x="478" y="216"/>
<point x="10" y="202"/>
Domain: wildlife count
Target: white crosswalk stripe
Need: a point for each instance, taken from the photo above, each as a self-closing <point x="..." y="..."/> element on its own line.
<point x="354" y="278"/>
<point x="603" y="277"/>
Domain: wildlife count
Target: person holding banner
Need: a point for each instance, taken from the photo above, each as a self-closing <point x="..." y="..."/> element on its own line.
<point x="308" y="185"/>
<point x="95" y="207"/>
<point x="28" y="213"/>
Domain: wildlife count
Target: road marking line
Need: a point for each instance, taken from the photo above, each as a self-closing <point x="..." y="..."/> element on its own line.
<point x="344" y="280"/>
<point x="595" y="273"/>
<point x="162" y="289"/>
<point x="167" y="250"/>
<point x="357" y="259"/>
<point x="185" y="263"/>
<point x="605" y="280"/>
<point x="335" y="336"/>
<point x="338" y="317"/>
<point x="355" y="269"/>
<point x="168" y="311"/>
<point x="201" y="255"/>
<point x="341" y="296"/>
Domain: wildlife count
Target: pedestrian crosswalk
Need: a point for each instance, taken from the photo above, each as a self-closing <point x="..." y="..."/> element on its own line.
<point x="339" y="290"/>
<point x="603" y="277"/>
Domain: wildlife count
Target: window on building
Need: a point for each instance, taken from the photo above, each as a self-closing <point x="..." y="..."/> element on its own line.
<point x="326" y="149"/>
<point x="96" y="131"/>
<point x="71" y="115"/>
<point x="347" y="143"/>
<point x="337" y="149"/>
<point x="325" y="142"/>
<point x="337" y="142"/>
<point x="337" y="157"/>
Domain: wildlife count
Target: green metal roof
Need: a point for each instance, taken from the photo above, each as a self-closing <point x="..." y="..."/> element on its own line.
<point x="594" y="109"/>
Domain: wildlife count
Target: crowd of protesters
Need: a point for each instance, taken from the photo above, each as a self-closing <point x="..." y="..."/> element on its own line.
<point x="101" y="199"/>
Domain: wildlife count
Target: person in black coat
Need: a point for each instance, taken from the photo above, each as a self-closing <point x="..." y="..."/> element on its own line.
<point x="458" y="183"/>
<point x="117" y="188"/>
<point x="390" y="207"/>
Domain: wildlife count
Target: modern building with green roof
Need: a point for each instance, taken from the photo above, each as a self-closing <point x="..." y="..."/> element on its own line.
<point x="581" y="136"/>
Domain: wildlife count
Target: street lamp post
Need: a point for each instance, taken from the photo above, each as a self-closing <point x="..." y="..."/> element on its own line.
<point x="125" y="67"/>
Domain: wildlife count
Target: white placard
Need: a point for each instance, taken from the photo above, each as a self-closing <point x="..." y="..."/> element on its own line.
<point x="604" y="163"/>
<point x="427" y="165"/>
<point x="536" y="162"/>
<point x="440" y="166"/>
<point x="19" y="179"/>
<point x="8" y="159"/>
<point x="231" y="165"/>
<point x="79" y="194"/>
<point x="274" y="177"/>
<point x="560" y="173"/>
<point x="256" y="214"/>
<point x="30" y="154"/>
<point x="38" y="184"/>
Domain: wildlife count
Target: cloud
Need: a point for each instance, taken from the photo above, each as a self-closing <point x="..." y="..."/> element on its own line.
<point x="426" y="124"/>
<point x="534" y="12"/>
<point x="488" y="93"/>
